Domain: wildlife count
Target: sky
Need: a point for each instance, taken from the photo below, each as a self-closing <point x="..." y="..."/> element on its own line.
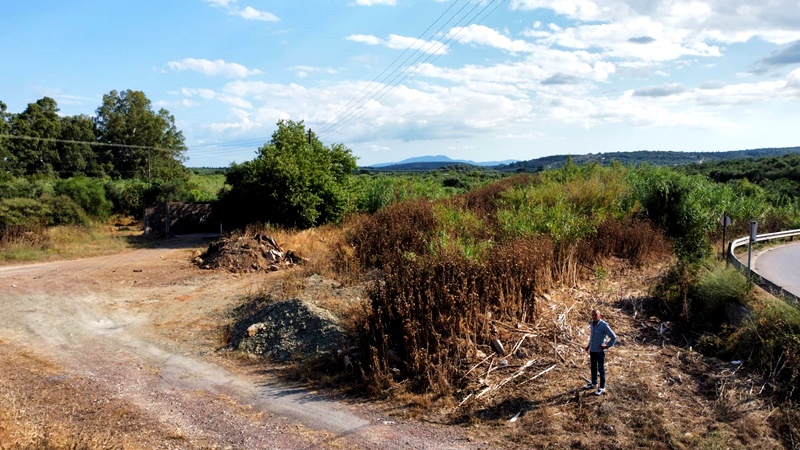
<point x="479" y="80"/>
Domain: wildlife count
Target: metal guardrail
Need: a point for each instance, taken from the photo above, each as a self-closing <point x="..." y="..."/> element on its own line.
<point x="766" y="284"/>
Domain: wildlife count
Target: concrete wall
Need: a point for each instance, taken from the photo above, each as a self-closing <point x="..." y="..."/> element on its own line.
<point x="180" y="218"/>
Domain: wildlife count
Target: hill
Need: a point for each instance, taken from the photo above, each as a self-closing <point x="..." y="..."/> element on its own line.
<point x="423" y="163"/>
<point x="656" y="158"/>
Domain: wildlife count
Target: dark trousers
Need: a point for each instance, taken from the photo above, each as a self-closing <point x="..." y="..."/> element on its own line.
<point x="598" y="364"/>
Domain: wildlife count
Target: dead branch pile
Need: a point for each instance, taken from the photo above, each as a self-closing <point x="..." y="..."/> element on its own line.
<point x="247" y="254"/>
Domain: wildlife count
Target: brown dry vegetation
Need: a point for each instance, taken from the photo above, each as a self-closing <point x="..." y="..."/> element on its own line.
<point x="34" y="395"/>
<point x="433" y="315"/>
<point x="427" y="330"/>
<point x="661" y="394"/>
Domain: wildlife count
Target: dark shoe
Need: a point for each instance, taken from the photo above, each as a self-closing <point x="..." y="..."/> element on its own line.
<point x="589" y="386"/>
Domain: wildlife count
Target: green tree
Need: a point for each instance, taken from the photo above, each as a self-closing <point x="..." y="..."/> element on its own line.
<point x="76" y="158"/>
<point x="147" y="144"/>
<point x="39" y="123"/>
<point x="295" y="181"/>
<point x="6" y="157"/>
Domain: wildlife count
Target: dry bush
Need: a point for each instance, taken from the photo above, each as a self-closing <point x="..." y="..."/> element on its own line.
<point x="786" y="422"/>
<point x="430" y="313"/>
<point x="22" y="236"/>
<point x="633" y="239"/>
<point x="394" y="231"/>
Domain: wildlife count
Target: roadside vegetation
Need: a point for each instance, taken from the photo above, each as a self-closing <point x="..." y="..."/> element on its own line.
<point x="461" y="263"/>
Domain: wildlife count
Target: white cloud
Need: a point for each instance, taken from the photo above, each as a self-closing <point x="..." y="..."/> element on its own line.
<point x="238" y="119"/>
<point x="251" y="13"/>
<point x="235" y="101"/>
<point x="213" y="68"/>
<point x="220" y="3"/>
<point x="210" y="94"/>
<point x="401" y="43"/>
<point x="305" y="71"/>
<point x="202" y="93"/>
<point x="364" y="39"/>
<point x="725" y="21"/>
<point x="793" y="80"/>
<point x="475" y="108"/>
<point x="568" y="77"/>
<point x="479" y="34"/>
<point x="248" y="12"/>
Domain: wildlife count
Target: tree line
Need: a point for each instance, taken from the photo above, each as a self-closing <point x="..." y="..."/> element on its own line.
<point x="778" y="176"/>
<point x="125" y="139"/>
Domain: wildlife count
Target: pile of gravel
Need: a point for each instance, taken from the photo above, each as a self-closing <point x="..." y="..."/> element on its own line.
<point x="293" y="330"/>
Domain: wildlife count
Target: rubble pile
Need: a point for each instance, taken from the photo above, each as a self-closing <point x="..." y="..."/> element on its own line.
<point x="247" y="254"/>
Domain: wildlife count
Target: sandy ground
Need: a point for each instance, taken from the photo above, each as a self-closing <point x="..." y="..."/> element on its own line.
<point x="123" y="346"/>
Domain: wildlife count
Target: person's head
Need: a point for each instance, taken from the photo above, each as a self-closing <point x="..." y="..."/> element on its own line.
<point x="595" y="315"/>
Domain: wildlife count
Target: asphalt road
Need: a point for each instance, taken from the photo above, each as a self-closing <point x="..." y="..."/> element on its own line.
<point x="781" y="265"/>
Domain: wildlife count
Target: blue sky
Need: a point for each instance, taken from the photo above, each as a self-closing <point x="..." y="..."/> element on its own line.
<point x="482" y="80"/>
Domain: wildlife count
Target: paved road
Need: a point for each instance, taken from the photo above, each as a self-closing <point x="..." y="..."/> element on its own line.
<point x="781" y="265"/>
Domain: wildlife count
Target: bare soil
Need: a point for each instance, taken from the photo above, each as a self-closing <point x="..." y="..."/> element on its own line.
<point x="120" y="351"/>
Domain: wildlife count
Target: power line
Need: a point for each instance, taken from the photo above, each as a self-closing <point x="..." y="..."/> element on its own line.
<point x="386" y="90"/>
<point x="108" y="144"/>
<point x="346" y="110"/>
<point x="355" y="113"/>
<point x="357" y="99"/>
<point x="349" y="112"/>
<point x="71" y="141"/>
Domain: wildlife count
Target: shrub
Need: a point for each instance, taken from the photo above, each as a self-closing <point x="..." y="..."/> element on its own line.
<point x="88" y="193"/>
<point x="376" y="193"/>
<point x="64" y="211"/>
<point x="22" y="219"/>
<point x="630" y="238"/>
<point x="127" y="196"/>
<point x="686" y="208"/>
<point x="23" y="212"/>
<point x="715" y="288"/>
<point x="24" y="188"/>
<point x="770" y="341"/>
<point x="400" y="229"/>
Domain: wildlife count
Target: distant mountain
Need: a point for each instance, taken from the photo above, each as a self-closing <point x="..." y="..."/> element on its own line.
<point x="434" y="162"/>
<point x="656" y="158"/>
<point x="653" y="157"/>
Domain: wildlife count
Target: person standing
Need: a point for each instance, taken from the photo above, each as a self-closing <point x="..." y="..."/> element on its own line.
<point x="599" y="331"/>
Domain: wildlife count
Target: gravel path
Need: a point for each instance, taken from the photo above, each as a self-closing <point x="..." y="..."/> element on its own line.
<point x="139" y="329"/>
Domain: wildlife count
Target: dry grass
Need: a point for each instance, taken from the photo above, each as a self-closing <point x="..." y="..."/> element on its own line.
<point x="331" y="277"/>
<point x="67" y="242"/>
<point x="43" y="408"/>
<point x="660" y="395"/>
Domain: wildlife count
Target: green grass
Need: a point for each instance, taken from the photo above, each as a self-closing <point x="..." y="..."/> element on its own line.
<point x="67" y="242"/>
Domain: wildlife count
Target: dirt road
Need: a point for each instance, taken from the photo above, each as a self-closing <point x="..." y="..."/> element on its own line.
<point x="125" y="344"/>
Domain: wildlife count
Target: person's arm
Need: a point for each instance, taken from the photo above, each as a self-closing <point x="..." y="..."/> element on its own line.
<point x="612" y="338"/>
